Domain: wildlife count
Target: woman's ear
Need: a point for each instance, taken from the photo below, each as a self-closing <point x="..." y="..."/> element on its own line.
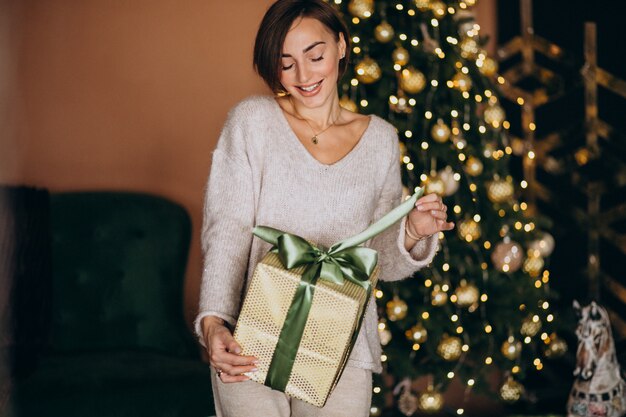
<point x="341" y="44"/>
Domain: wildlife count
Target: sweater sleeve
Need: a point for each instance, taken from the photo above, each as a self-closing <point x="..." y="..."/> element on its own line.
<point x="228" y="220"/>
<point x="395" y="261"/>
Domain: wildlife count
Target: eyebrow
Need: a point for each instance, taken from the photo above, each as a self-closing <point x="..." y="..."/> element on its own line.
<point x="305" y="50"/>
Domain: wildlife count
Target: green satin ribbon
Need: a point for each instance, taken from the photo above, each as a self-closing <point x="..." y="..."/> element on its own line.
<point x="344" y="260"/>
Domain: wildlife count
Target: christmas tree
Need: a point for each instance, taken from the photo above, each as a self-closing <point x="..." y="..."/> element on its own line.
<point x="483" y="307"/>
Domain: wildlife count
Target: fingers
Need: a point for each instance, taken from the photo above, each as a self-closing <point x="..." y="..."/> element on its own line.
<point x="224" y="356"/>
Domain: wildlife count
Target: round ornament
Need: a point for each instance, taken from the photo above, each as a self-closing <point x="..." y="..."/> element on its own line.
<point x="511" y="390"/>
<point x="533" y="265"/>
<point x="417" y="333"/>
<point x="348" y="104"/>
<point x="438" y="297"/>
<point x="430" y="401"/>
<point x="400" y="56"/>
<point x="396" y="309"/>
<point x="422" y="5"/>
<point x="511" y="348"/>
<point x="450" y="184"/>
<point x="489" y="68"/>
<point x="439" y="8"/>
<point x="434" y="184"/>
<point x="469" y="47"/>
<point x="462" y="82"/>
<point x="556" y="347"/>
<point x="384" y="32"/>
<point x="466" y="294"/>
<point x="368" y="71"/>
<point x="500" y="190"/>
<point x="407" y="403"/>
<point x="412" y="80"/>
<point x="361" y="8"/>
<point x="474" y="166"/>
<point x="469" y="230"/>
<point x="440" y="131"/>
<point x="494" y="115"/>
<point x="507" y="256"/>
<point x="544" y="245"/>
<point x="530" y="326"/>
<point x="449" y="348"/>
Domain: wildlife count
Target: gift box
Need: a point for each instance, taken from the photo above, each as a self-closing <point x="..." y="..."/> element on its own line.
<point x="304" y="307"/>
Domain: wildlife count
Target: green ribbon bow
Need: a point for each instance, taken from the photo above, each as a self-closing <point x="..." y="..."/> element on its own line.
<point x="344" y="260"/>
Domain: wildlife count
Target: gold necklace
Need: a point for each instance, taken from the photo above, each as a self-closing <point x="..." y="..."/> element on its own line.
<point x="314" y="139"/>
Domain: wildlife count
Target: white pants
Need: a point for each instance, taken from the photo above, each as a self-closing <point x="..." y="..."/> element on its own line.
<point x="351" y="397"/>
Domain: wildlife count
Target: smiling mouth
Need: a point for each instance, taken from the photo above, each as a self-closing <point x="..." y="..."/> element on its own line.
<point x="311" y="87"/>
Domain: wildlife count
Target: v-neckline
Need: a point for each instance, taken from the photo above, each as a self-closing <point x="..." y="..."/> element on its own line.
<point x="300" y="148"/>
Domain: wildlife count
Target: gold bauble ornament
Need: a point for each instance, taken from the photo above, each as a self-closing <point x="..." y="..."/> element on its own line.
<point x="530" y="326"/>
<point x="417" y="333"/>
<point x="438" y="297"/>
<point x="400" y="56"/>
<point x="401" y="105"/>
<point x="384" y="332"/>
<point x="384" y="32"/>
<point x="533" y="265"/>
<point x="500" y="190"/>
<point x="439" y="8"/>
<point x="466" y="294"/>
<point x="449" y="348"/>
<point x="348" y="104"/>
<point x="412" y="80"/>
<point x="434" y="184"/>
<point x="507" y="256"/>
<point x="511" y="390"/>
<point x="462" y="82"/>
<point x="494" y="115"/>
<point x="422" y="5"/>
<point x="450" y="184"/>
<point x="430" y="401"/>
<point x="469" y="48"/>
<point x="440" y="131"/>
<point x="396" y="309"/>
<point x="555" y="347"/>
<point x="468" y="230"/>
<point x="361" y="8"/>
<point x="368" y="71"/>
<point x="474" y="166"/>
<point x="518" y="146"/>
<point x="407" y="403"/>
<point x="511" y="348"/>
<point x="489" y="67"/>
<point x="544" y="245"/>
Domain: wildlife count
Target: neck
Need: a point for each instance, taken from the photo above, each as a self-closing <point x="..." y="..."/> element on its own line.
<point x="318" y="117"/>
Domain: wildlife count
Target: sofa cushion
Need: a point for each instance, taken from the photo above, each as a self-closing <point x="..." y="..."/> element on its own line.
<point x="119" y="262"/>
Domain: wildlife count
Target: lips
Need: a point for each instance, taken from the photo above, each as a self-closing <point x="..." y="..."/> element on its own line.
<point x="310" y="88"/>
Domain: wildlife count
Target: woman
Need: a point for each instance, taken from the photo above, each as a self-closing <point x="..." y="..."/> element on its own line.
<point x="300" y="163"/>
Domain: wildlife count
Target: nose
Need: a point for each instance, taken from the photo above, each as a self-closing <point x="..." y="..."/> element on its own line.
<point x="303" y="73"/>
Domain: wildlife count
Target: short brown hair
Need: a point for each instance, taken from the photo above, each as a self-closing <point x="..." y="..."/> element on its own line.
<point x="273" y="31"/>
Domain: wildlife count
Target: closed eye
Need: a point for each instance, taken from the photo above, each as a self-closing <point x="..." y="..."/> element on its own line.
<point x="318" y="59"/>
<point x="287" y="67"/>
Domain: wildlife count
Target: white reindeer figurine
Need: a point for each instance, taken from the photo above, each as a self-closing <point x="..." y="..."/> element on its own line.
<point x="599" y="389"/>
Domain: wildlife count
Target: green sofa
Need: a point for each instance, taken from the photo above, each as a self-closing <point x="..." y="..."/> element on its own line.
<point x="117" y="344"/>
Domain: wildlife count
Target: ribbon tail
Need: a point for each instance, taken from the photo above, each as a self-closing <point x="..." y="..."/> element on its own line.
<point x="385" y="222"/>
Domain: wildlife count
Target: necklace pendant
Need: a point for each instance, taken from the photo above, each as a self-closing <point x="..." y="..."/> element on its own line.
<point x="314" y="140"/>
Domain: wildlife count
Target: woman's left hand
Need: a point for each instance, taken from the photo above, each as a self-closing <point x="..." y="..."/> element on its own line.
<point x="427" y="218"/>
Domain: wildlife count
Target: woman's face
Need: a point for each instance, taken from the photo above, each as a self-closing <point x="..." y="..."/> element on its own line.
<point x="310" y="62"/>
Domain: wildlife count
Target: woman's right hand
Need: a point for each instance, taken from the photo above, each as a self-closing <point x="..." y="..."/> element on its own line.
<point x="224" y="351"/>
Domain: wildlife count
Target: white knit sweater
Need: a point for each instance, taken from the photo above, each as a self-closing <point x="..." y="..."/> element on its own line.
<point x="262" y="175"/>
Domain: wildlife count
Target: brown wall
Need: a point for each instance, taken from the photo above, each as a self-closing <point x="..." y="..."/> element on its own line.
<point x="122" y="95"/>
